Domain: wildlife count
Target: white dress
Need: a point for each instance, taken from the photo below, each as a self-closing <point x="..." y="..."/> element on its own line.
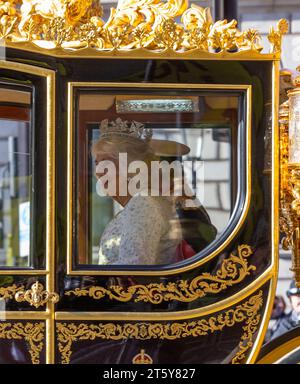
<point x="146" y="232"/>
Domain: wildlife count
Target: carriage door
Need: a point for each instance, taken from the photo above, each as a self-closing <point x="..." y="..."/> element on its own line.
<point x="26" y="193"/>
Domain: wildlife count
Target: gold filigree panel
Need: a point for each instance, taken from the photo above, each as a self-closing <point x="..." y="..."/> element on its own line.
<point x="247" y="313"/>
<point x="32" y="333"/>
<point x="133" y="24"/>
<point x="232" y="271"/>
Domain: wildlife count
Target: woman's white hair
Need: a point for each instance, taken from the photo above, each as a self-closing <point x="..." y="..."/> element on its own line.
<point x="114" y="145"/>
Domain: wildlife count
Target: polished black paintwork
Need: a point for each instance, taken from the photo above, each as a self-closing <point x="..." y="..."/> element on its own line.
<point x="210" y="348"/>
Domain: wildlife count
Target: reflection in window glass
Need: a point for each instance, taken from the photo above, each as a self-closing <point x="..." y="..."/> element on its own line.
<point x="15" y="177"/>
<point x="156" y="175"/>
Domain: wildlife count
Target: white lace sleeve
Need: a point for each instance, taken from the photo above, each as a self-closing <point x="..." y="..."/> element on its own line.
<point x="143" y="227"/>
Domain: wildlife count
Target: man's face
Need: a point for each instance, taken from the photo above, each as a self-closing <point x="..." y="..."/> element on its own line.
<point x="295" y="302"/>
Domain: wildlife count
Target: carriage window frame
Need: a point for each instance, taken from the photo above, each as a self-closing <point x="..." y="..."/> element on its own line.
<point x="29" y="110"/>
<point x="243" y="166"/>
<point x="42" y="81"/>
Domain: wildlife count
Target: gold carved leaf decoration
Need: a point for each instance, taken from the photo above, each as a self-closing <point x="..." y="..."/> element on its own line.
<point x="275" y="35"/>
<point x="169" y="35"/>
<point x="247" y="313"/>
<point x="232" y="271"/>
<point x="8" y="18"/>
<point x="246" y="343"/>
<point x="133" y="24"/>
<point x="10" y="291"/>
<point x="32" y="333"/>
<point x="249" y="39"/>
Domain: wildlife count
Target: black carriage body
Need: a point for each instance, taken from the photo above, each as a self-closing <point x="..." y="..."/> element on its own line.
<point x="197" y="311"/>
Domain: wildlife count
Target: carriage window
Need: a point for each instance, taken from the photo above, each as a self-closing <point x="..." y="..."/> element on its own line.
<point x="156" y="174"/>
<point x="15" y="177"/>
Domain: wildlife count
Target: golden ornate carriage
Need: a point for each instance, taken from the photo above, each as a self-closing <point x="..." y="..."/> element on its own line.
<point x="63" y="70"/>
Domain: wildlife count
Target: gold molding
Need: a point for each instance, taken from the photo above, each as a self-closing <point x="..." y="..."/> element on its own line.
<point x="66" y="25"/>
<point x="144" y="54"/>
<point x="281" y="352"/>
<point x="23" y="272"/>
<point x="247" y="313"/>
<point x="70" y="198"/>
<point x="50" y="209"/>
<point x="231" y="272"/>
<point x="24" y="315"/>
<point x="32" y="333"/>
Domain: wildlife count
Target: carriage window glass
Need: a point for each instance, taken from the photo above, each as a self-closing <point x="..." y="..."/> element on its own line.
<point x="156" y="174"/>
<point x="15" y="177"/>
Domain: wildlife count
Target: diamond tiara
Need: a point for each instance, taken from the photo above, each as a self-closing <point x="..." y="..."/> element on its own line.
<point x="121" y="127"/>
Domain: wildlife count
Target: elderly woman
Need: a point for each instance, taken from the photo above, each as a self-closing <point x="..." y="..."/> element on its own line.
<point x="148" y="230"/>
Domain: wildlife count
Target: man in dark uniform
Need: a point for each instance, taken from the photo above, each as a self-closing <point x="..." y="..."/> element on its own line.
<point x="289" y="320"/>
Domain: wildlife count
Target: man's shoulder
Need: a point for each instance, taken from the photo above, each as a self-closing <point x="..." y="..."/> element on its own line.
<point x="285" y="316"/>
<point x="283" y="324"/>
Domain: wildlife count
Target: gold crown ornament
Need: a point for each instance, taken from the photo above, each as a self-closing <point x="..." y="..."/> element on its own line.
<point x="142" y="358"/>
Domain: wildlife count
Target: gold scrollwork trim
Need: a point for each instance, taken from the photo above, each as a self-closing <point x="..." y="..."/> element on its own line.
<point x="150" y="24"/>
<point x="232" y="271"/>
<point x="10" y="291"/>
<point x="32" y="333"/>
<point x="247" y="313"/>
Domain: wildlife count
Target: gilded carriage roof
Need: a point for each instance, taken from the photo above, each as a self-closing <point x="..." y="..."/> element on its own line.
<point x="137" y="28"/>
